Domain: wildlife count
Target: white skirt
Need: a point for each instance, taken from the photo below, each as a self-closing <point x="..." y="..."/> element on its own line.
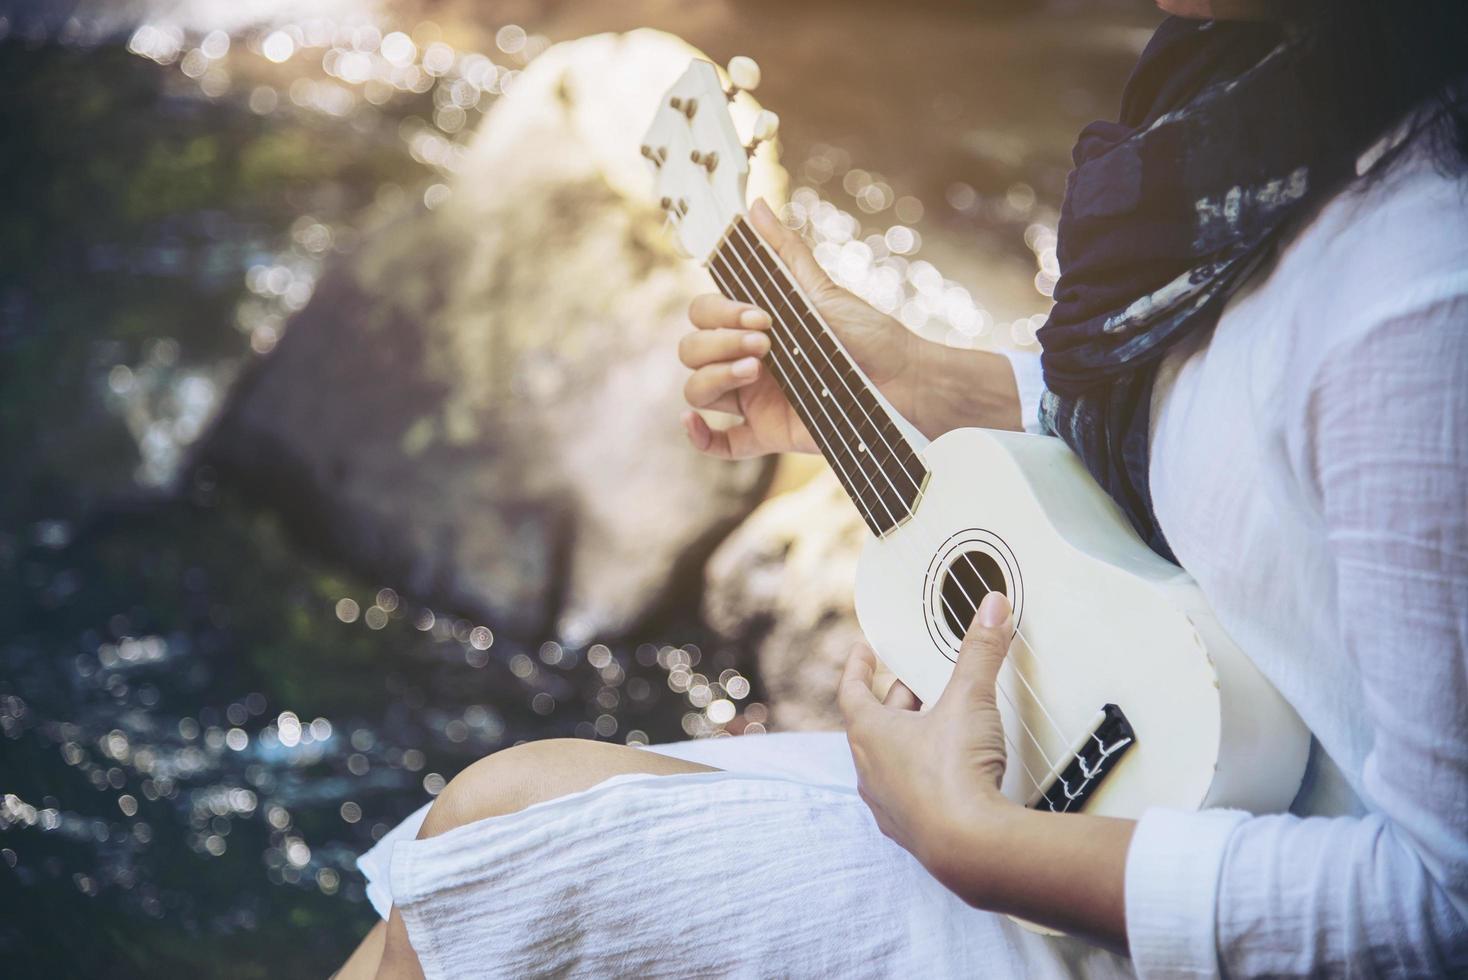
<point x="772" y="867"/>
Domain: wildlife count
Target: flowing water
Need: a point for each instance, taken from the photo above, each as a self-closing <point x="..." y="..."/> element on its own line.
<point x="203" y="724"/>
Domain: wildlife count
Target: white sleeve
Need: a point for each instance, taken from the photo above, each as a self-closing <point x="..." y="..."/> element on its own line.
<point x="1384" y="894"/>
<point x="1031" y="383"/>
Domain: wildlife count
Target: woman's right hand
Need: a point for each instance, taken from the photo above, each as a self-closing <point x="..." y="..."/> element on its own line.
<point x="726" y="353"/>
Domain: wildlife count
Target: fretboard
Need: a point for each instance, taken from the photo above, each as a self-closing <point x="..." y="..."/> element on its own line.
<point x="874" y="461"/>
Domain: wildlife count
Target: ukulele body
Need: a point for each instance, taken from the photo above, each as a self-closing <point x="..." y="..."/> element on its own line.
<point x="1119" y="645"/>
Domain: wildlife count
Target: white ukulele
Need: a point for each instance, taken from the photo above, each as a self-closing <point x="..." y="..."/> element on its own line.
<point x="1121" y="691"/>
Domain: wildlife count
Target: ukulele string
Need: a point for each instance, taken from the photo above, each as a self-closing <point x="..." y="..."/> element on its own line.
<point x="753" y="245"/>
<point x="791" y="341"/>
<point x="794" y="390"/>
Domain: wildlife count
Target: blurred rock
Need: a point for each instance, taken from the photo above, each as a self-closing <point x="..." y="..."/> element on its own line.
<point x="480" y="406"/>
<point x="781" y="585"/>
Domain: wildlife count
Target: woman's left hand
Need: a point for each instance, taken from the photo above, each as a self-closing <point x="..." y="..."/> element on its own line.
<point x="919" y="770"/>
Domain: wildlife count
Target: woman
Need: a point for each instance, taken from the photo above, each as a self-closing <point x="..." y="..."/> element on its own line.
<point x="1259" y="349"/>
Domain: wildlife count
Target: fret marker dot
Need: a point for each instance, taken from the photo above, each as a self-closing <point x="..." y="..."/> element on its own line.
<point x="826" y="392"/>
<point x="861" y="447"/>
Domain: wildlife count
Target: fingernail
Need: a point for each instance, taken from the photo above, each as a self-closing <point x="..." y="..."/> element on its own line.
<point x="694" y="436"/>
<point x="745" y="367"/>
<point x="754" y="319"/>
<point x="994" y="610"/>
<point x="755" y="343"/>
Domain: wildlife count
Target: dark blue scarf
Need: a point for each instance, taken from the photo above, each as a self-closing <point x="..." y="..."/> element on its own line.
<point x="1167" y="212"/>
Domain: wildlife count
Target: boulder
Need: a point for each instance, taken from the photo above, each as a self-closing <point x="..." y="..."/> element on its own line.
<point x="480" y="405"/>
<point x="781" y="586"/>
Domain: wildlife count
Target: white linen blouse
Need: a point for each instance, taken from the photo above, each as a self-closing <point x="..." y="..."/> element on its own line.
<point x="1310" y="469"/>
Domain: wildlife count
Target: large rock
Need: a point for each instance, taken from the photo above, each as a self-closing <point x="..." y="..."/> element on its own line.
<point x="781" y="585"/>
<point x="481" y="405"/>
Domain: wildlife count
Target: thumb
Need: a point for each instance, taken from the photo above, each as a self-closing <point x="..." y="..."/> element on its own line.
<point x="792" y="250"/>
<point x="982" y="653"/>
<point x="854" y="692"/>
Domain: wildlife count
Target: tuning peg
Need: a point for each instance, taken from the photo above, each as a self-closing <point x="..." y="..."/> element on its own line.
<point x="743" y="73"/>
<point x="765" y="125"/>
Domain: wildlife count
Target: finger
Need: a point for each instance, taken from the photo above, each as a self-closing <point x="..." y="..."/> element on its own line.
<point x="900" y="696"/>
<point x="711" y="311"/>
<point x="736" y="443"/>
<point x="706" y="385"/>
<point x="790" y="247"/>
<point x="982" y="652"/>
<point x="703" y="347"/>
<point x="854" y="693"/>
<point x="728" y="404"/>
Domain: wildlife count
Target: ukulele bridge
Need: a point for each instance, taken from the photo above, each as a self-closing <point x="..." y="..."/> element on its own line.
<point x="1092" y="757"/>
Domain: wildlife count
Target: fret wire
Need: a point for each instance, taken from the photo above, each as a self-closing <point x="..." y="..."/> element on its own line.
<point x="836" y="384"/>
<point x="795" y="302"/>
<point x="832" y="376"/>
<point x="839" y="456"/>
<point x="852" y="448"/>
<point x="822" y="338"/>
<point x="862" y="448"/>
<point x="794" y="355"/>
<point x="857" y="465"/>
<point x="812" y="423"/>
<point x="815" y="430"/>
<point x="902" y="501"/>
<point x="791" y="389"/>
<point x="740" y="227"/>
<point x="831" y="353"/>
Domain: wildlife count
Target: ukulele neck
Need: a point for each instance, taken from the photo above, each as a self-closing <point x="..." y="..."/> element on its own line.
<point x="856" y="432"/>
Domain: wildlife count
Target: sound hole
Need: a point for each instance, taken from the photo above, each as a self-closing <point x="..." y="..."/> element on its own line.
<point x="965" y="584"/>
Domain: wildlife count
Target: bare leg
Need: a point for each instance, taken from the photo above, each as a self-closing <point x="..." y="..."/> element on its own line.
<point x="399" y="962"/>
<point x="498" y="784"/>
<point x="363" y="963"/>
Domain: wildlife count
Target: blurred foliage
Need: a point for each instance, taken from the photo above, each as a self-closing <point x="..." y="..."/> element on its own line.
<point x="132" y="209"/>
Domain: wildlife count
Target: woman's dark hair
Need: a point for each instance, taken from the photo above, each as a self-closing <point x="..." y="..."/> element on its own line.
<point x="1380" y="59"/>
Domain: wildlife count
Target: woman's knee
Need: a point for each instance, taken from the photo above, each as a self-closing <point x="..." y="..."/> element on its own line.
<point x="513" y="779"/>
<point x="507" y="781"/>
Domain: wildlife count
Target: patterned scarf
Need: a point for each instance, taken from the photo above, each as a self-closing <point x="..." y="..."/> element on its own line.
<point x="1166" y="214"/>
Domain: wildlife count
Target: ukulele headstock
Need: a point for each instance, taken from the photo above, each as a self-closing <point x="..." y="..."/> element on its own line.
<point x="698" y="160"/>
